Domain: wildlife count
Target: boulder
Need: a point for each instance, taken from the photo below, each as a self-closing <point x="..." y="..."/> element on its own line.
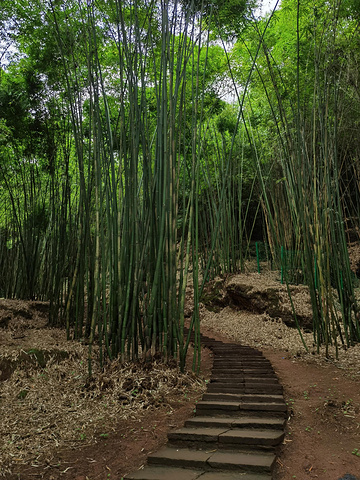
<point x="261" y="295"/>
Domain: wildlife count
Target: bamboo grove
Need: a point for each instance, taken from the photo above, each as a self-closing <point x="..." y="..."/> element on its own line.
<point x="125" y="176"/>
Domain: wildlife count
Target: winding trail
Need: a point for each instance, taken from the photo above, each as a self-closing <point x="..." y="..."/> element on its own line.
<point x="237" y="427"/>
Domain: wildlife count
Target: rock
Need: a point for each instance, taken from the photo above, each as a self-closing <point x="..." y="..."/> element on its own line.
<point x="269" y="298"/>
<point x="348" y="476"/>
<point x="214" y="296"/>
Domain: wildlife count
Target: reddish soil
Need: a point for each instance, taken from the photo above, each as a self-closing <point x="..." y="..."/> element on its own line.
<point x="322" y="434"/>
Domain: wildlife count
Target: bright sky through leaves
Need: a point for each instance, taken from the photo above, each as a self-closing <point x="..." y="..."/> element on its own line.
<point x="267" y="7"/>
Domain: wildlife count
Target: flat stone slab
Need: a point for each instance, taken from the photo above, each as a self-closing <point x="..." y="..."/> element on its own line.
<point x="237" y="379"/>
<point x="227" y="350"/>
<point x="245" y="436"/>
<point x="226" y="406"/>
<point x="243" y="380"/>
<point x="234" y="476"/>
<point x="270" y="380"/>
<point x="197" y="434"/>
<point x="238" y="388"/>
<point x="228" y="388"/>
<point x="264" y="406"/>
<point x="226" y="371"/>
<point x="231" y="362"/>
<point x="234" y="397"/>
<point x="272" y="389"/>
<point x="243" y="462"/>
<point x="179" y="457"/>
<point x="266" y="368"/>
<point x="210" y="422"/>
<point x="262" y="422"/>
<point x="235" y="423"/>
<point x="235" y="385"/>
<point x="222" y="460"/>
<point x="269" y="438"/>
<point x="239" y="354"/>
<point x="164" y="473"/>
<point x="234" y="406"/>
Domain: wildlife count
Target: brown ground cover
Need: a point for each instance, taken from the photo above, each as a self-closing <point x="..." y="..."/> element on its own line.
<point x="55" y="424"/>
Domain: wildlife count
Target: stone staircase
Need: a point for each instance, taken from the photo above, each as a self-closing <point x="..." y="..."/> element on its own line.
<point x="238" y="424"/>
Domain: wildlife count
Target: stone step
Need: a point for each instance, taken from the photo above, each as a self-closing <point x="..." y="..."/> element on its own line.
<point x="180" y="457"/>
<point x="268" y="379"/>
<point x="244" y="368"/>
<point x="234" y="476"/>
<point x="241" y="363"/>
<point x="225" y="362"/>
<point x="259" y="371"/>
<point x="242" y="462"/>
<point x="231" y="406"/>
<point x="264" y="422"/>
<point x="240" y="370"/>
<point x="225" y="438"/>
<point x="164" y="473"/>
<point x="236" y="365"/>
<point x="221" y="379"/>
<point x="239" y="379"/>
<point x="240" y="354"/>
<point x="214" y="460"/>
<point x="250" y="438"/>
<point x="252" y="377"/>
<point x="255" y="372"/>
<point x="226" y="349"/>
<point x="196" y="435"/>
<point x="230" y="347"/>
<point x="239" y="357"/>
<point x="238" y="388"/>
<point x="218" y="406"/>
<point x="231" y="397"/>
<point x="236" y="408"/>
<point x="170" y="473"/>
<point x="236" y="346"/>
<point x="270" y="388"/>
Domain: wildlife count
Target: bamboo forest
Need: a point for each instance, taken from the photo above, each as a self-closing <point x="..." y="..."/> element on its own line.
<point x="145" y="142"/>
<point x="151" y="151"/>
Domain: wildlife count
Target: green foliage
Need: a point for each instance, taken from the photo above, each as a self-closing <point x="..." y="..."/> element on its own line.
<point x="225" y="17"/>
<point x="123" y="165"/>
